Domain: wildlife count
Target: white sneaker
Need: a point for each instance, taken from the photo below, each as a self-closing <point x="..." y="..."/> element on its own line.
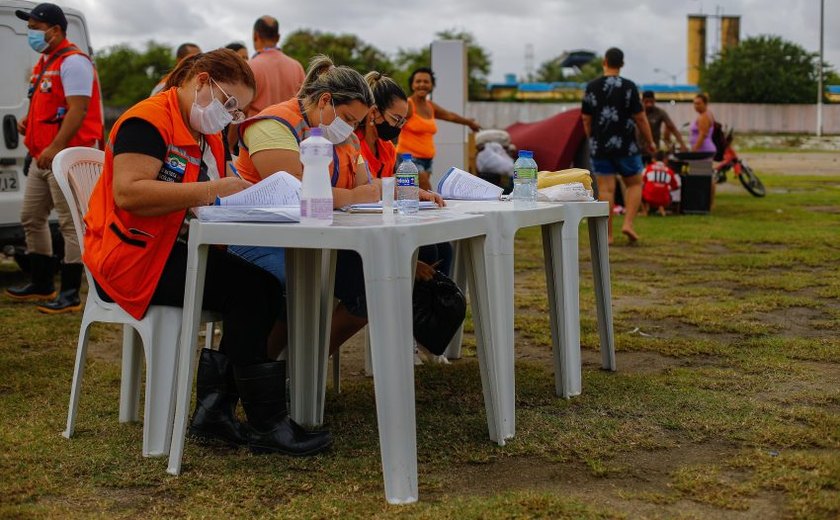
<point x="417" y="359"/>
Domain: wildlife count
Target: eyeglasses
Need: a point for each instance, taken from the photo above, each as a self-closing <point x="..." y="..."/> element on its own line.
<point x="231" y="104"/>
<point x="398" y="121"/>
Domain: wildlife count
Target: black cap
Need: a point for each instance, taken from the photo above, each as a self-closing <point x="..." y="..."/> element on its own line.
<point x="648" y="94"/>
<point x="48" y="13"/>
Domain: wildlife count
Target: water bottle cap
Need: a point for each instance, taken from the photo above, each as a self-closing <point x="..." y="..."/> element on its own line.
<point x="405" y="156"/>
<point x="526" y="154"/>
<point x="316" y="132"/>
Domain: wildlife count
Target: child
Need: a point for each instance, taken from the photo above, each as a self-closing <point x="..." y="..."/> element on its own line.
<point x="658" y="181"/>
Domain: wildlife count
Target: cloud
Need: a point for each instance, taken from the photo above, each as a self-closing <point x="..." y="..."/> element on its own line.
<point x="651" y="32"/>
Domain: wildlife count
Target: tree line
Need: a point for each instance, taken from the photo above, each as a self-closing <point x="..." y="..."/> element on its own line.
<point x="762" y="69"/>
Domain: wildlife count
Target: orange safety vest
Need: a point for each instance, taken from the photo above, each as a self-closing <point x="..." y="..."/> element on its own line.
<point x="383" y="165"/>
<point x="48" y="105"/>
<point x="290" y="114"/>
<point x="125" y="252"/>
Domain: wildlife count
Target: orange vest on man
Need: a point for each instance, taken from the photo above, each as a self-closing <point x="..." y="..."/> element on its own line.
<point x="289" y="113"/>
<point x="126" y="253"/>
<point x="48" y="105"/>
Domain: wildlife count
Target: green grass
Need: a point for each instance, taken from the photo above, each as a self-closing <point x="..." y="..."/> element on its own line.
<point x="728" y="405"/>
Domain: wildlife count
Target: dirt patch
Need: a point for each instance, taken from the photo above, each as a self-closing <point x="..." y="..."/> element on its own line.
<point x="640" y="485"/>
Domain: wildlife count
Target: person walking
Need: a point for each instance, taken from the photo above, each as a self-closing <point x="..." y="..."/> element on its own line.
<point x="611" y="112"/>
<point x="64" y="110"/>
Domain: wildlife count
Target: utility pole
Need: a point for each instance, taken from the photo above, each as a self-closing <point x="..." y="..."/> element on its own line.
<point x="820" y="82"/>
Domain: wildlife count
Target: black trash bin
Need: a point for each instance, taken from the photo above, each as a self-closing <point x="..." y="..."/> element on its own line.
<point x="696" y="173"/>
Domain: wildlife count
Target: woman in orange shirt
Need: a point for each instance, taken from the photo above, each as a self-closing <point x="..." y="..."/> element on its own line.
<point x="418" y="133"/>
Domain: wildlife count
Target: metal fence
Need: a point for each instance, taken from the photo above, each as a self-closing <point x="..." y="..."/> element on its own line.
<point x="761" y="119"/>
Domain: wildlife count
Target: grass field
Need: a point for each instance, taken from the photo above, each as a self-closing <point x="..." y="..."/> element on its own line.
<point x="726" y="403"/>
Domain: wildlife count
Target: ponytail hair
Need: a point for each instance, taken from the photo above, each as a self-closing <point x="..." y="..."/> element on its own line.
<point x="385" y="90"/>
<point x="344" y="84"/>
<point x="223" y="65"/>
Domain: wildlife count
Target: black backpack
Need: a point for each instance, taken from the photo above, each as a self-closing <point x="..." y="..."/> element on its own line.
<point x="719" y="140"/>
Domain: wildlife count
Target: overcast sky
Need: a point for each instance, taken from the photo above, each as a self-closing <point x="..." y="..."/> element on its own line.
<point x="652" y="33"/>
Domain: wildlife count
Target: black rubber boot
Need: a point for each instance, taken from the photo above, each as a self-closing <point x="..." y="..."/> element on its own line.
<point x="270" y="429"/>
<point x="214" y="420"/>
<point x="68" y="299"/>
<point x="42" y="286"/>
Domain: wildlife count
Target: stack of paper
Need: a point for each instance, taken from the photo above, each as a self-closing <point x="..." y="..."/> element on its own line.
<point x="248" y="214"/>
<point x="376" y="207"/>
<point x="457" y="184"/>
<point x="274" y="199"/>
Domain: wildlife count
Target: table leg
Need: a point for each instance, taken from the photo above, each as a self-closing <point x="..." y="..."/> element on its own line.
<point x="328" y="257"/>
<point x="497" y="380"/>
<point x="389" y="279"/>
<point x="603" y="293"/>
<point x="193" y="298"/>
<point x="459" y="276"/>
<point x="307" y="356"/>
<point x="560" y="249"/>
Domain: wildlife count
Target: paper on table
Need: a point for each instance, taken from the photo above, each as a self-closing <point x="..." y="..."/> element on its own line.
<point x="376" y="207"/>
<point x="278" y="189"/>
<point x="248" y="214"/>
<point x="457" y="184"/>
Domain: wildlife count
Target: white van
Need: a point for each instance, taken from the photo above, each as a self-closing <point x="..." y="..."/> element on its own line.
<point x="16" y="62"/>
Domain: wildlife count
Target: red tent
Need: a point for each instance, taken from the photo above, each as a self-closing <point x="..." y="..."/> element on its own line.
<point x="555" y="141"/>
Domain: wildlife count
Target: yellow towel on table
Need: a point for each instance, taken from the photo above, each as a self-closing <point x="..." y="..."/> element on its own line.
<point x="546" y="179"/>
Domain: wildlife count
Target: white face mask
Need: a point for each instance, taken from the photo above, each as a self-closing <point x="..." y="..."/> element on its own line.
<point x="210" y="119"/>
<point x="338" y="131"/>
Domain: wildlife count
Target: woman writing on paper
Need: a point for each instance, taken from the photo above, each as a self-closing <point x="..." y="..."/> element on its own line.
<point x="418" y="134"/>
<point x="165" y="156"/>
<point x="376" y="135"/>
<point x="336" y="99"/>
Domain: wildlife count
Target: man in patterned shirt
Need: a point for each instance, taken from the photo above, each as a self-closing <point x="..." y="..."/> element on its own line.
<point x="611" y="112"/>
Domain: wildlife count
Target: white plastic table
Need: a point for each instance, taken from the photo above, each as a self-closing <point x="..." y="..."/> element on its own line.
<point x="559" y="223"/>
<point x="388" y="250"/>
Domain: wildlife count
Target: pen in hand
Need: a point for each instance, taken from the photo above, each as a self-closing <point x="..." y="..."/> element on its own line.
<point x="233" y="169"/>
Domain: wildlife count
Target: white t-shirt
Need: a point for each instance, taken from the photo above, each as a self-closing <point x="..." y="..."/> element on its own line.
<point x="77" y="76"/>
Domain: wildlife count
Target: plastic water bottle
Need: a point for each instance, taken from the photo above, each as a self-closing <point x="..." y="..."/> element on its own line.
<point x="408" y="186"/>
<point x="525" y="177"/>
<point x="316" y="200"/>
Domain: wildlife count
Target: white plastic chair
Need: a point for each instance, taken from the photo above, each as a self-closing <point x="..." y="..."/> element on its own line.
<point x="76" y="171"/>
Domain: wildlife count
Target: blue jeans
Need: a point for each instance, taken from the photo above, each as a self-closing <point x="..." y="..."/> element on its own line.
<point x="271" y="259"/>
<point x="349" y="279"/>
<point x="424" y="165"/>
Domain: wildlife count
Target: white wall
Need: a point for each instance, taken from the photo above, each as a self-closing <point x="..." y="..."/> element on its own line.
<point x="745" y="118"/>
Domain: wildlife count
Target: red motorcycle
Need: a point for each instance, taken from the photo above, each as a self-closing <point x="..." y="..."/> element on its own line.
<point x="731" y="161"/>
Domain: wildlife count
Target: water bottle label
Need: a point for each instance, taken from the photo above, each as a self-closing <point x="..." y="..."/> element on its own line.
<point x="525" y="174"/>
<point x="316" y="150"/>
<point x="409" y="180"/>
<point x="316" y="208"/>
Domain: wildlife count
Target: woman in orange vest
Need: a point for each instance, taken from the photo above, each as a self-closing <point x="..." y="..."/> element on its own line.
<point x="418" y="134"/>
<point x="165" y="155"/>
<point x="336" y="99"/>
<point x="376" y="135"/>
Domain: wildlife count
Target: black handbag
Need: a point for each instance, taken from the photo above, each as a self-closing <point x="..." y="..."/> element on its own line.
<point x="439" y="310"/>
